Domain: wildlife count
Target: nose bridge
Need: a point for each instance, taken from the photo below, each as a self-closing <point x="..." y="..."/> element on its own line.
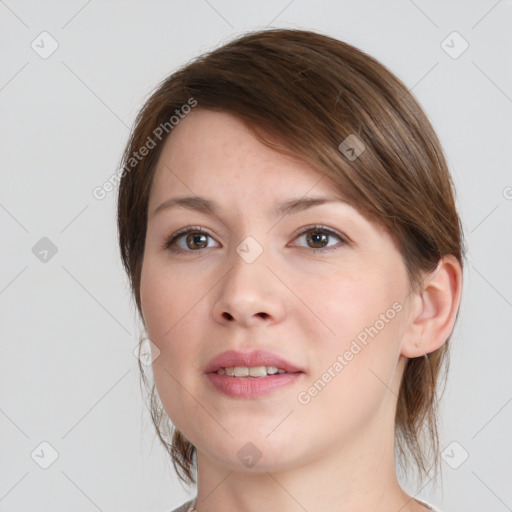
<point x="247" y="276"/>
<point x="246" y="292"/>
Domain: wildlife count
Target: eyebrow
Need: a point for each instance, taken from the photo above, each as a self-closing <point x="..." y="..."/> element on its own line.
<point x="209" y="207"/>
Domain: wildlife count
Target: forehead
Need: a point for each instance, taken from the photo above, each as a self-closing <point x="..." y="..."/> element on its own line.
<point x="216" y="151"/>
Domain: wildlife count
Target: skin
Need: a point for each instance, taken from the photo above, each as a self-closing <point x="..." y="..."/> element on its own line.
<point x="334" y="453"/>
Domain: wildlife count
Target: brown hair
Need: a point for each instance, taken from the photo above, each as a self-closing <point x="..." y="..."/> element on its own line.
<point x="310" y="92"/>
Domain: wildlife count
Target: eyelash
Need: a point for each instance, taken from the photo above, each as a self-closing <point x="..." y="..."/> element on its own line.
<point x="198" y="230"/>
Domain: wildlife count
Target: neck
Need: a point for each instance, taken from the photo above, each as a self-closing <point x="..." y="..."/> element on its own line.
<point x="352" y="477"/>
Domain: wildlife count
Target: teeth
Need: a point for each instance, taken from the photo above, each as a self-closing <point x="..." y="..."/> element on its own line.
<point x="241" y="371"/>
<point x="253" y="371"/>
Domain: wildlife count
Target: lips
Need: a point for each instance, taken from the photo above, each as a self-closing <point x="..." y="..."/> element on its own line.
<point x="233" y="358"/>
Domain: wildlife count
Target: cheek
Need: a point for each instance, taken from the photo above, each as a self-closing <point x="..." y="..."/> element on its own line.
<point x="361" y="347"/>
<point x="347" y="303"/>
<point x="355" y="371"/>
<point x="165" y="318"/>
<point x="171" y="305"/>
<point x="165" y="298"/>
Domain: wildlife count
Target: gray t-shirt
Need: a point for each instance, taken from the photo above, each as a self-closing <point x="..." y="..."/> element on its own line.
<point x="184" y="507"/>
<point x="188" y="504"/>
<point x="431" y="507"/>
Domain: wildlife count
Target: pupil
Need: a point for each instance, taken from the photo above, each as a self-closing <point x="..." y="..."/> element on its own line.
<point x="316" y="236"/>
<point x="193" y="239"/>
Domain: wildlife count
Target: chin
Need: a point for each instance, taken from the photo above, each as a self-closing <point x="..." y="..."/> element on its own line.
<point x="249" y="460"/>
<point x="257" y="456"/>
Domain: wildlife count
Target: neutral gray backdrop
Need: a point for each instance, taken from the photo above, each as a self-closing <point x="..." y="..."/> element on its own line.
<point x="68" y="377"/>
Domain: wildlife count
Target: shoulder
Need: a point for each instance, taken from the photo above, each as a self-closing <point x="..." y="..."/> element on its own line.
<point x="184" y="507"/>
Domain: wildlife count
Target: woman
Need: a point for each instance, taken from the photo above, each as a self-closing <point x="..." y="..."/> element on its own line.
<point x="287" y="221"/>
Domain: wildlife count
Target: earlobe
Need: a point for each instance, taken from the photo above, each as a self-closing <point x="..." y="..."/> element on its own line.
<point x="435" y="307"/>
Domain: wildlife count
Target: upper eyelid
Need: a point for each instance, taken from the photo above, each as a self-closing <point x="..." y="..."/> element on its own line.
<point x="332" y="231"/>
<point x="189" y="229"/>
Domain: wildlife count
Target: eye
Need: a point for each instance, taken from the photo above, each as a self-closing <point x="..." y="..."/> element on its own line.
<point x="318" y="238"/>
<point x="195" y="238"/>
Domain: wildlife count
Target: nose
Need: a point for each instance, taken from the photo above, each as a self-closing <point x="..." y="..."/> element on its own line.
<point x="250" y="294"/>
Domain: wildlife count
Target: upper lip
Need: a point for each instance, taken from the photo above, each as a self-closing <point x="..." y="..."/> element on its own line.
<point x="232" y="358"/>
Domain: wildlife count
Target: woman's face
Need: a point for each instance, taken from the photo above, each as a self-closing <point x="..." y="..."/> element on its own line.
<point x="317" y="285"/>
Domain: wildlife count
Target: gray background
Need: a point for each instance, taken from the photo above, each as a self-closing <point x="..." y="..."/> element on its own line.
<point x="68" y="327"/>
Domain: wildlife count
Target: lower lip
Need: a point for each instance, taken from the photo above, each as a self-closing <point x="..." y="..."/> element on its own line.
<point x="255" y="387"/>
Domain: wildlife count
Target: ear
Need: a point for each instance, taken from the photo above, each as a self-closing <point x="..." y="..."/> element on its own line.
<point x="434" y="307"/>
